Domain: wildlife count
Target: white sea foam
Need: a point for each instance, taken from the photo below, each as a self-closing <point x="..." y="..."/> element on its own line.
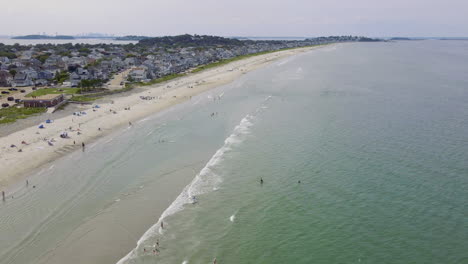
<point x="205" y="181"/>
<point x="143" y="120"/>
<point x="232" y="218"/>
<point x="284" y="61"/>
<point x="197" y="102"/>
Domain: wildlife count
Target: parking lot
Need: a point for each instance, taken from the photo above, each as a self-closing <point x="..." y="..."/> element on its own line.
<point x="6" y="92"/>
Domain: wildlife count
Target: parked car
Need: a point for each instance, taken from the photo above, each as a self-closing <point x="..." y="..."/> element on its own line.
<point x="34" y="88"/>
<point x="13" y="89"/>
<point x="5" y="92"/>
<point x="18" y="101"/>
<point x="23" y="91"/>
<point x="5" y="105"/>
<point x="10" y="98"/>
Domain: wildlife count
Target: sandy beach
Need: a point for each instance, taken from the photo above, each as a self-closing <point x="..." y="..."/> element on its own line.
<point x="41" y="146"/>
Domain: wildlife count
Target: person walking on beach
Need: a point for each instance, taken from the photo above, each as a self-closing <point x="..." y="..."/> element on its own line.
<point x="162" y="225"/>
<point x="83" y="145"/>
<point x="3" y="195"/>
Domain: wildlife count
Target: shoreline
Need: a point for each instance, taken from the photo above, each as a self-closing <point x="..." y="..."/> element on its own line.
<point x="110" y="116"/>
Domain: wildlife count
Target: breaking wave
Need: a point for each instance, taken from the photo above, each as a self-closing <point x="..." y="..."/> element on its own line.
<point x="205" y="181"/>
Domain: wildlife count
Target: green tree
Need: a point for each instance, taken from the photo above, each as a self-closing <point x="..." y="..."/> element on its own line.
<point x="60" y="77"/>
<point x="86" y="85"/>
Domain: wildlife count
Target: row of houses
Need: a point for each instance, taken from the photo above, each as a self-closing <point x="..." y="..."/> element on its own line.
<point x="40" y="67"/>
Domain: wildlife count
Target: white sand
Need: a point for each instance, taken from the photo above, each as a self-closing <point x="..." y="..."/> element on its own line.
<point x="15" y="165"/>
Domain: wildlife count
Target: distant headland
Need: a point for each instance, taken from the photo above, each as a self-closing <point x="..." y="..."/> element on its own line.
<point x="43" y="37"/>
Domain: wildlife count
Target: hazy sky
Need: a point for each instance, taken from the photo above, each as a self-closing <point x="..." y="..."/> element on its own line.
<point x="237" y="17"/>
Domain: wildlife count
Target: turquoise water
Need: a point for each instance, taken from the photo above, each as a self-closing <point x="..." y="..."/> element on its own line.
<point x="377" y="135"/>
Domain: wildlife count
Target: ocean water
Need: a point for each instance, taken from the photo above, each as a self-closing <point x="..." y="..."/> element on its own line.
<point x="362" y="148"/>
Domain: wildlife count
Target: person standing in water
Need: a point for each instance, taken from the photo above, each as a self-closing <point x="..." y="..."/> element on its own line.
<point x="261" y="180"/>
<point x="3" y="195"/>
<point x="162" y="225"/>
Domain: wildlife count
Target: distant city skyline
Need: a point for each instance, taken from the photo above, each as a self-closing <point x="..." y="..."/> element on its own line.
<point x="263" y="18"/>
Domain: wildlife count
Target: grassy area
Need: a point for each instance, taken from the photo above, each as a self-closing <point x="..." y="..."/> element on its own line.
<point x="160" y="80"/>
<point x="11" y="114"/>
<point x="44" y="91"/>
<point x="84" y="98"/>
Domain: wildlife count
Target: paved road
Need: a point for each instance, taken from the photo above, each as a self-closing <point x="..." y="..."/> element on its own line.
<point x="114" y="83"/>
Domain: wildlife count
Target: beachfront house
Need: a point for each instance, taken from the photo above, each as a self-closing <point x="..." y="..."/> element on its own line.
<point x="74" y="80"/>
<point x="47" y="100"/>
<point x="41" y="82"/>
<point x="47" y="75"/>
<point x="138" y="74"/>
<point x="22" y="80"/>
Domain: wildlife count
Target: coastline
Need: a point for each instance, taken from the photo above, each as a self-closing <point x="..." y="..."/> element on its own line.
<point x="16" y="165"/>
